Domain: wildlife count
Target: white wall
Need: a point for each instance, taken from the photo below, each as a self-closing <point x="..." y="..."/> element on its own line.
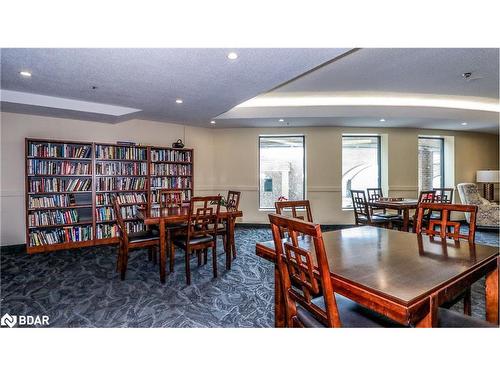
<point x="228" y="159"/>
<point x="237" y="164"/>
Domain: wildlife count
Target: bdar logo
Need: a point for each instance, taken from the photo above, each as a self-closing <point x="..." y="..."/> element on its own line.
<point x="8" y="320"/>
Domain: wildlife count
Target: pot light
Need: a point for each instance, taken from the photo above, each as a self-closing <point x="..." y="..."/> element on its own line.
<point x="178" y="101"/>
<point x="25" y="73"/>
<point x="382" y="120"/>
<point x="212" y="122"/>
<point x="281" y="120"/>
<point x="464" y="123"/>
<point x="232" y="55"/>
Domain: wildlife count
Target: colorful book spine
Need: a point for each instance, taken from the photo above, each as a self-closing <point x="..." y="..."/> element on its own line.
<point x="120" y="152"/>
<point x="60" y="235"/>
<point x="167" y="155"/>
<point x="59" y="150"/>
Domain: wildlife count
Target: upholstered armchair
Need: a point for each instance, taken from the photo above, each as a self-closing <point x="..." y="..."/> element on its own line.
<point x="488" y="214"/>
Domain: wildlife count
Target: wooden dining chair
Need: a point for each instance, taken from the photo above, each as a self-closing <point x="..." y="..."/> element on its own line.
<point x="443" y="195"/>
<point x="425" y="196"/>
<point x="296" y="267"/>
<point x="170" y="198"/>
<point x="201" y="233"/>
<point x="232" y="204"/>
<point x="448" y="228"/>
<point x="362" y="214"/>
<point x="295" y="206"/>
<point x="374" y="194"/>
<point x="303" y="273"/>
<point x="142" y="239"/>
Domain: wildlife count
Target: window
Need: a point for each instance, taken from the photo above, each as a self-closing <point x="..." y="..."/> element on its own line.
<point x="282" y="167"/>
<point x="360" y="165"/>
<point x="430" y="163"/>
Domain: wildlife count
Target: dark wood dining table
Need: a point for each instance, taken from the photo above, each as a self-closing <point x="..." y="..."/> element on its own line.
<point x="180" y="215"/>
<point x="403" y="206"/>
<point x="401" y="275"/>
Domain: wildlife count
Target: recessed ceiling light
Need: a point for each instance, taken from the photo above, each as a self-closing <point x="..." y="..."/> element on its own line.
<point x="232" y="55"/>
<point x="212" y="122"/>
<point x="178" y="101"/>
<point x="281" y="120"/>
<point x="464" y="123"/>
<point x="382" y="120"/>
<point x="24" y="73"/>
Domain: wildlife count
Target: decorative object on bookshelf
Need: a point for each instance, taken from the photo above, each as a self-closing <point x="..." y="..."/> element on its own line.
<point x="178" y="144"/>
<point x="69" y="185"/>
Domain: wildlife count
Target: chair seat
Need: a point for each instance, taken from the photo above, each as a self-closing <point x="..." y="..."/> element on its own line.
<point x="143" y="235"/>
<point x="388" y="215"/>
<point x="182" y="241"/>
<point x="174" y="226"/>
<point x="452" y="319"/>
<point x="352" y="315"/>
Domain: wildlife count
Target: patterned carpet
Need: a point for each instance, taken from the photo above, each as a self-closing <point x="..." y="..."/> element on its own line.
<point x="81" y="288"/>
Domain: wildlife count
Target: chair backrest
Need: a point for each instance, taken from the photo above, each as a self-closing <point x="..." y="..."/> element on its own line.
<point x="170" y="198"/>
<point x="444" y="223"/>
<point x="203" y="211"/>
<point x="426" y="196"/>
<point x="374" y="194"/>
<point x="443" y="195"/>
<point x="233" y="200"/>
<point x="296" y="263"/>
<point x="119" y="220"/>
<point x="294" y="206"/>
<point x="360" y="205"/>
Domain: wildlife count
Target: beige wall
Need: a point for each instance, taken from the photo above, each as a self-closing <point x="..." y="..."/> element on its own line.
<point x="236" y="162"/>
<point x="228" y="158"/>
<point x="14" y="128"/>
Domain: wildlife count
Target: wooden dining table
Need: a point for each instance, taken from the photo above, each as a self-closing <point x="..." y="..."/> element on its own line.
<point x="401" y="275"/>
<point x="174" y="215"/>
<point x="403" y="206"/>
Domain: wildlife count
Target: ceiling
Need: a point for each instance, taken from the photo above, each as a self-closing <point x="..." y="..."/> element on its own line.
<point x="151" y="80"/>
<point x="415" y="88"/>
<point x="358" y="89"/>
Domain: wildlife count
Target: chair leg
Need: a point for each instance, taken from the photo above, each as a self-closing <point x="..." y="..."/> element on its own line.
<point x="188" y="270"/>
<point x="124" y="262"/>
<point x="150" y="254"/>
<point x="119" y="258"/>
<point x="224" y="242"/>
<point x="155" y="255"/>
<point x="214" y="260"/>
<point x="468" y="302"/>
<point x="205" y="256"/>
<point x="233" y="248"/>
<point x="172" y="256"/>
<point x="198" y="254"/>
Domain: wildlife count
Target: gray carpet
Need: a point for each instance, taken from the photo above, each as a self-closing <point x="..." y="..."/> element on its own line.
<point x="81" y="288"/>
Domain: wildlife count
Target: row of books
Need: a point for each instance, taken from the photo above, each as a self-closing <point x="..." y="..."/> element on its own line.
<point x="60" y="235"/>
<point x="120" y="152"/>
<point x="50" y="185"/>
<point x="108" y="213"/>
<point x="171" y="182"/>
<point x="36" y="166"/>
<point x="105" y="213"/>
<point x="59" y="200"/>
<point x="123" y="198"/>
<point x="52" y="217"/>
<point x="121" y="168"/>
<point x="120" y="183"/>
<point x="107" y="231"/>
<point x="59" y="150"/>
<point x="170" y="155"/>
<point x="186" y="195"/>
<point x="171" y="169"/>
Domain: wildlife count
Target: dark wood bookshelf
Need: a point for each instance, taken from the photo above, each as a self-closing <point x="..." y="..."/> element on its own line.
<point x="83" y="204"/>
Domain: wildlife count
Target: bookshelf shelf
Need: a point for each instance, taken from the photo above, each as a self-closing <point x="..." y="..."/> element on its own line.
<point x="55" y="164"/>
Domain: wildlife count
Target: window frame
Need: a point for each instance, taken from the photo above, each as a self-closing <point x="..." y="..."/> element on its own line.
<point x="379" y="158"/>
<point x="442" y="167"/>
<point x="304" y="187"/>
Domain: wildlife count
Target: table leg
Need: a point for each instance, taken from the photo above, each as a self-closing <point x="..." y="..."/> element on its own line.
<point x="430" y="320"/>
<point x="492" y="295"/>
<point x="229" y="242"/>
<point x="279" y="302"/>
<point x="406" y="219"/>
<point x="163" y="254"/>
